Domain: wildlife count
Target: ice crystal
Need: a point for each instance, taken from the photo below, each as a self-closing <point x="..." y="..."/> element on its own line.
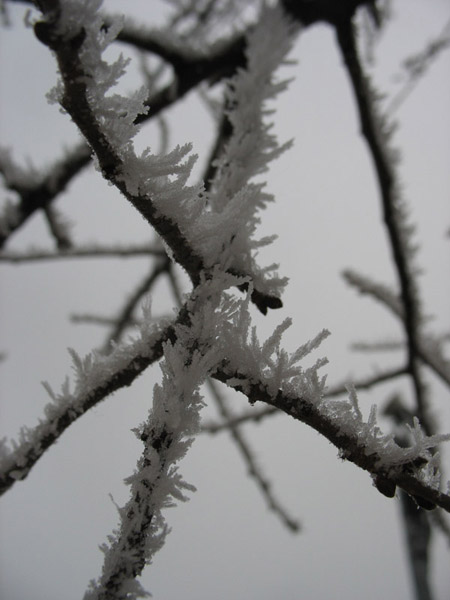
<point x="219" y="227"/>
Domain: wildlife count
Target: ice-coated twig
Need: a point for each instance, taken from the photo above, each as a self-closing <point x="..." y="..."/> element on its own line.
<point x="377" y="131"/>
<point x="213" y="68"/>
<point x="175" y="210"/>
<point x="416" y="66"/>
<point x="167" y="435"/>
<point x="411" y="469"/>
<point x="254" y="415"/>
<point x="98" y="376"/>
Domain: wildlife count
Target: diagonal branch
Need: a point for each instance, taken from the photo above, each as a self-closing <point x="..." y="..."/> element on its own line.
<point x="252" y="468"/>
<point x="113" y="149"/>
<point x="41" y="194"/>
<point x="255" y="415"/>
<point x="351" y="446"/>
<point x="376" y="132"/>
<point x="119" y="370"/>
<point x="90" y="251"/>
<point x="161" y="267"/>
<point x="428" y="348"/>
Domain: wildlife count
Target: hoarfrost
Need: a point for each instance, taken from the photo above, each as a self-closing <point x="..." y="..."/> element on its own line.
<point x="220" y="226"/>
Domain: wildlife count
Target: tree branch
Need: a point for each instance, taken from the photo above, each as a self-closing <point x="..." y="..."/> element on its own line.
<point x="119" y="370"/>
<point x="255" y="415"/>
<point x="123" y="321"/>
<point x="428" y="349"/>
<point x="253" y="470"/>
<point x="376" y="132"/>
<point x="95" y="251"/>
<point x="39" y="195"/>
<point x="351" y="446"/>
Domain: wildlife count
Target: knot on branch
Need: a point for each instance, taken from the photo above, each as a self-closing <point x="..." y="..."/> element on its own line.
<point x="330" y="11"/>
<point x="47" y="33"/>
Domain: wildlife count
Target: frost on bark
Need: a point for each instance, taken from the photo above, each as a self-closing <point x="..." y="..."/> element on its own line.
<point x="210" y="229"/>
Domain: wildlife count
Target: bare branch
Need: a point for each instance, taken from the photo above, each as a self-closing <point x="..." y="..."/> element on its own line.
<point x="429" y="349"/>
<point x="92" y="251"/>
<point x="126" y="314"/>
<point x="253" y="469"/>
<point x="59" y="228"/>
<point x="121" y="368"/>
<point x="39" y="195"/>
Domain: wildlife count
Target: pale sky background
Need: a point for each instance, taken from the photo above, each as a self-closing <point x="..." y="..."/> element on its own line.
<point x="224" y="542"/>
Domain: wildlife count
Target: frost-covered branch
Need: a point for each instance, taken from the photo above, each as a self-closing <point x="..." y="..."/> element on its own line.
<point x="97" y="376"/>
<point x="412" y="469"/>
<point x="167" y="435"/>
<point x="265" y="372"/>
<point x="377" y="131"/>
<point x="33" y="197"/>
<point x="199" y="231"/>
<point x="416" y="66"/>
<point x="255" y="415"/>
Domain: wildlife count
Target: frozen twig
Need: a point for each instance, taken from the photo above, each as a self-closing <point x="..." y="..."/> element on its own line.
<point x="167" y="435"/>
<point x="254" y="415"/>
<point x="98" y="377"/>
<point x="373" y="454"/>
<point x="377" y="132"/>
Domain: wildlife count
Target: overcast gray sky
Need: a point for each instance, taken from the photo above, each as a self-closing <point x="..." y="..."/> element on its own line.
<point x="224" y="542"/>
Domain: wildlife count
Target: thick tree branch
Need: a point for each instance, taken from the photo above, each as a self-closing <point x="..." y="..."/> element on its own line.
<point x="350" y="446"/>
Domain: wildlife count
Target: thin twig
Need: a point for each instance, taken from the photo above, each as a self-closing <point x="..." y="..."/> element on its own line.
<point x="371" y="124"/>
<point x="428" y="349"/>
<point x="126" y="314"/>
<point x="114" y="251"/>
<point x="252" y="468"/>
